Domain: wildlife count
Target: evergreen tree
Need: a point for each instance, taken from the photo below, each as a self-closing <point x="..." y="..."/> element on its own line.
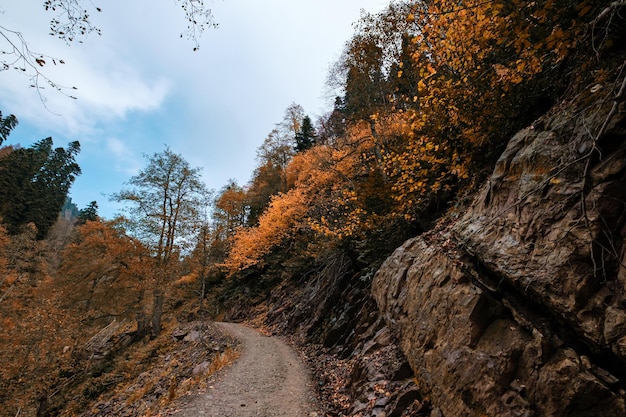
<point x="7" y="124"/>
<point x="34" y="183"/>
<point x="89" y="213"/>
<point x="305" y="138"/>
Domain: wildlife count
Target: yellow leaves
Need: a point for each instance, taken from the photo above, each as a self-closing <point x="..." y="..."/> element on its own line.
<point x="560" y="42"/>
<point x="421" y="86"/>
<point x="466" y="61"/>
<point x="427" y="71"/>
<point x="556" y="36"/>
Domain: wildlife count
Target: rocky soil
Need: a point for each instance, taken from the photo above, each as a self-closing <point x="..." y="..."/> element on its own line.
<point x="148" y="375"/>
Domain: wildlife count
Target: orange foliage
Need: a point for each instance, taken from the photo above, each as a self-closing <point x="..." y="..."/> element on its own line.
<point x="281" y="220"/>
<point x="33" y="331"/>
<point x="461" y="77"/>
<point x="478" y="64"/>
<point x="230" y="210"/>
<point x="331" y="194"/>
<point x="104" y="273"/>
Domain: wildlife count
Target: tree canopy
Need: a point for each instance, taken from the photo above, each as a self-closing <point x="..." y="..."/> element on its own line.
<point x="34" y="184"/>
<point x="429" y="93"/>
<point x="163" y="203"/>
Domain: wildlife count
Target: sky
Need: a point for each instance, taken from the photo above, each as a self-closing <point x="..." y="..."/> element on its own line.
<point x="140" y="87"/>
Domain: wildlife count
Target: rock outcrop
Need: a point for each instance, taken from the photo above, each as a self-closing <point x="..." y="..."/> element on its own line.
<point x="518" y="308"/>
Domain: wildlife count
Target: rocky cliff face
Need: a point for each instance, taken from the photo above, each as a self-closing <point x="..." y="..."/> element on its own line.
<point x="519" y="308"/>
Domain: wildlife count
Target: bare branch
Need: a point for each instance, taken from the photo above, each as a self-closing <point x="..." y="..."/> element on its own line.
<point x="199" y="18"/>
<point x="607" y="15"/>
<point x="72" y="21"/>
<point x="18" y="56"/>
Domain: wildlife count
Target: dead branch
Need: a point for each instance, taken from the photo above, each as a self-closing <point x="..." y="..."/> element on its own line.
<point x="606" y="14"/>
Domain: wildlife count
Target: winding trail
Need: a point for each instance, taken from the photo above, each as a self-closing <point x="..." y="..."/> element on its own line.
<point x="267" y="380"/>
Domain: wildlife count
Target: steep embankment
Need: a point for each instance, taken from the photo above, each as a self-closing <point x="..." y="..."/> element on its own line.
<point x="518" y="308"/>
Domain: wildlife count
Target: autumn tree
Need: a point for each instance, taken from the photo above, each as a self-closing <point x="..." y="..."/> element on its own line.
<point x="275" y="152"/>
<point x="163" y="211"/>
<point x="267" y="180"/>
<point x="292" y="121"/>
<point x="210" y="246"/>
<point x="443" y="83"/>
<point x="278" y="147"/>
<point x="32" y="335"/>
<point x="231" y="209"/>
<point x="364" y="88"/>
<point x="47" y="314"/>
<point x="335" y="194"/>
<point x="363" y="72"/>
<point x="292" y="134"/>
<point x="278" y="223"/>
<point x="431" y="91"/>
<point x="104" y="273"/>
<point x="200" y="261"/>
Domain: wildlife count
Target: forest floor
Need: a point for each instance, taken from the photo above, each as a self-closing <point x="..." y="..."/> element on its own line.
<point x="268" y="380"/>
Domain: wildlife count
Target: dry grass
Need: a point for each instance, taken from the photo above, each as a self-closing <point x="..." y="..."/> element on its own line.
<point x="228" y="356"/>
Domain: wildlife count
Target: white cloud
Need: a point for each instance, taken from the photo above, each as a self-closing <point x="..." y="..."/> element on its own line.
<point x="121" y="157"/>
<point x="107" y="86"/>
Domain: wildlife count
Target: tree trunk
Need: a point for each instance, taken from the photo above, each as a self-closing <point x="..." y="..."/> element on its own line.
<point x="157" y="311"/>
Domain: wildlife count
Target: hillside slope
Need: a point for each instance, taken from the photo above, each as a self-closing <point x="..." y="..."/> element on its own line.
<point x="513" y="306"/>
<point x="518" y="307"/>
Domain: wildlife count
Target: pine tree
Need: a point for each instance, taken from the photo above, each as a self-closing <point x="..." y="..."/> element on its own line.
<point x="89" y="213"/>
<point x="34" y="183"/>
<point x="7" y="124"/>
<point x="305" y="138"/>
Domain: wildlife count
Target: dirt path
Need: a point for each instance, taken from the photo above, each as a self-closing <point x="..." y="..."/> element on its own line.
<point x="267" y="380"/>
